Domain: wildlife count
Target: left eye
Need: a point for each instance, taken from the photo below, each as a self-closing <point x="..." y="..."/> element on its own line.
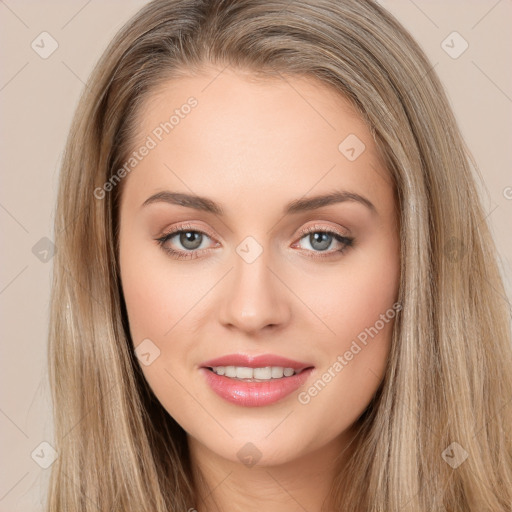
<point x="321" y="241"/>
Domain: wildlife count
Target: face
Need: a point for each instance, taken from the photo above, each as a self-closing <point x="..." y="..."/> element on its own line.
<point x="261" y="278"/>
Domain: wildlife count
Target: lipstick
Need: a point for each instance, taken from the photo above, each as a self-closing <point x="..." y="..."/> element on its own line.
<point x="255" y="381"/>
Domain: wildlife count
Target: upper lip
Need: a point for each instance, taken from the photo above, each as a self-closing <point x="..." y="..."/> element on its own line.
<point x="256" y="361"/>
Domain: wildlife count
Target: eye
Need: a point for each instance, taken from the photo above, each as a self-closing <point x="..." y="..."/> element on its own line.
<point x="190" y="239"/>
<point x="320" y="239"/>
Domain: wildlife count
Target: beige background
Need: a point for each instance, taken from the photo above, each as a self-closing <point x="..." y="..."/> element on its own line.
<point x="37" y="100"/>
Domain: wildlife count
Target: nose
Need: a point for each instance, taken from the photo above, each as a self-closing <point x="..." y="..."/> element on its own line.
<point x="254" y="298"/>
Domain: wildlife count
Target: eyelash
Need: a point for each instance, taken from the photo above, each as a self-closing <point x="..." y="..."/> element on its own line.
<point x="182" y="255"/>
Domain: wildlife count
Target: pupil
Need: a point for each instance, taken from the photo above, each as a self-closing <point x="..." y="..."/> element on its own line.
<point x="187" y="239"/>
<point x="322" y="238"/>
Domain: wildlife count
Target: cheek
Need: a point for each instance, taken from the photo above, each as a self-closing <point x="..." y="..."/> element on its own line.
<point x="157" y="300"/>
<point x="157" y="292"/>
<point x="144" y="292"/>
<point x="359" y="307"/>
<point x="353" y="298"/>
<point x="163" y="303"/>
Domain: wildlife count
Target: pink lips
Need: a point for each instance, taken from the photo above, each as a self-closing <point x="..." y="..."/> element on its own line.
<point x="255" y="394"/>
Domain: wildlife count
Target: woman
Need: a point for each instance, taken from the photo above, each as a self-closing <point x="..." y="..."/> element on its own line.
<point x="275" y="287"/>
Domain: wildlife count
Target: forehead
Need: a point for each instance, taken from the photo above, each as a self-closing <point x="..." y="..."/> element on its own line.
<point x="250" y="106"/>
<point x="243" y="135"/>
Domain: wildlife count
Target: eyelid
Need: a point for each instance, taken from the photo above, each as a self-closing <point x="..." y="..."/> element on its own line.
<point x="185" y="227"/>
<point x="322" y="227"/>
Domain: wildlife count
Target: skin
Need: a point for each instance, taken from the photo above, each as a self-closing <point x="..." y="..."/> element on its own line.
<point x="253" y="146"/>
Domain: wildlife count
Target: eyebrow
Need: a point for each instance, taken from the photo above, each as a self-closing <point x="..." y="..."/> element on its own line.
<point x="293" y="207"/>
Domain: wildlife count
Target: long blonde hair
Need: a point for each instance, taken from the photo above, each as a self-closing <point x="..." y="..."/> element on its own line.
<point x="448" y="380"/>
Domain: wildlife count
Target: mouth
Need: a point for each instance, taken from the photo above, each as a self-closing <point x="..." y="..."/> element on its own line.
<point x="259" y="374"/>
<point x="255" y="381"/>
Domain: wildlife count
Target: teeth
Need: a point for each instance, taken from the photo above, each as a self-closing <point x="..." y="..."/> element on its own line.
<point x="266" y="373"/>
<point x="262" y="373"/>
<point x="277" y="372"/>
<point x="243" y="373"/>
<point x="230" y="371"/>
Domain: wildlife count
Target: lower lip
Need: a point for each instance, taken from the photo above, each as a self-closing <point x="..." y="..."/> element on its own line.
<point x="254" y="394"/>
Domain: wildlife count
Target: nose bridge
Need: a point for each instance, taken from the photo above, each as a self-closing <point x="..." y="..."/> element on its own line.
<point x="253" y="298"/>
